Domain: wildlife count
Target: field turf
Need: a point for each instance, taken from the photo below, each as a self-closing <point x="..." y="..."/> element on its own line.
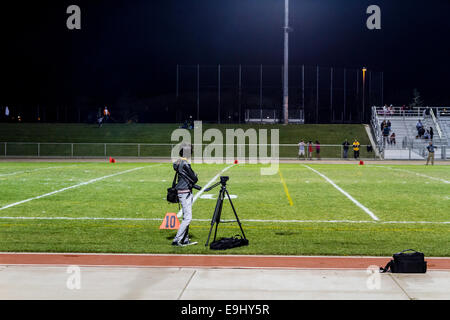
<point x="103" y="207"/>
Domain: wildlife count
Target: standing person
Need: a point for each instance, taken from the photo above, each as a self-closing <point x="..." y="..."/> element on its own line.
<point x="345" y="146"/>
<point x="7" y="113"/>
<point x="430" y="149"/>
<point x="310" y="150"/>
<point x="431" y="133"/>
<point x="100" y="121"/>
<point x="419" y="125"/>
<point x="301" y="150"/>
<point x="386" y="131"/>
<point x="356" y="146"/>
<point x="187" y="180"/>
<point x="318" y="149"/>
<point x="106" y="114"/>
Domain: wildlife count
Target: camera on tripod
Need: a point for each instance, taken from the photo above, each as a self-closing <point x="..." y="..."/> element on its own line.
<point x="218" y="209"/>
<point x="224" y="179"/>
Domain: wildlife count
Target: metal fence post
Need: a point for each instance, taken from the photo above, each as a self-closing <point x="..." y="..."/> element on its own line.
<point x="139" y="149"/>
<point x="218" y="94"/>
<point x="198" y="92"/>
<point x="105" y="149"/>
<point x="261" y="88"/>
<point x="39" y="150"/>
<point x="5" y="149"/>
<point x="317" y="95"/>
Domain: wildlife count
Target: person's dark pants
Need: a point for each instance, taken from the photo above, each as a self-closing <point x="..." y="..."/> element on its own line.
<point x="356" y="154"/>
<point x="345" y="154"/>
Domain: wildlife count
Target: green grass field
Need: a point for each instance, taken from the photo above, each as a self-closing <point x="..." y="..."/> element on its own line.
<point x="161" y="133"/>
<point x="61" y="207"/>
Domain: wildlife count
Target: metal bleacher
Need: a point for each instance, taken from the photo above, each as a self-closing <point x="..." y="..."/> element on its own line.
<point x="403" y="123"/>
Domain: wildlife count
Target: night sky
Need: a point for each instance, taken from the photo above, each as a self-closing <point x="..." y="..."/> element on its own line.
<point x="136" y="44"/>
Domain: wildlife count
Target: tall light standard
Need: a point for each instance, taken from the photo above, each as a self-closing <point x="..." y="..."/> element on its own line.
<point x="363" y="97"/>
<point x="286" y="63"/>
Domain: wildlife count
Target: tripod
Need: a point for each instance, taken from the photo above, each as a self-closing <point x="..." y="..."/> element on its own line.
<point x="218" y="210"/>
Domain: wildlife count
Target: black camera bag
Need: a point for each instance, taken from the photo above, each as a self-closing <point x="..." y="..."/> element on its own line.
<point x="228" y="243"/>
<point x="172" y="193"/>
<point x="407" y="262"/>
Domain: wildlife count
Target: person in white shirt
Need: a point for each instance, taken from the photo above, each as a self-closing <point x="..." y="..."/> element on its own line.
<point x="301" y="149"/>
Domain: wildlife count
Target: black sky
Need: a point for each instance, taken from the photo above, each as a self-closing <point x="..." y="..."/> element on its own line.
<point x="136" y="44"/>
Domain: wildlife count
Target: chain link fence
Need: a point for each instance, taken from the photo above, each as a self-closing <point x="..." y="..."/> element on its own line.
<point x="223" y="94"/>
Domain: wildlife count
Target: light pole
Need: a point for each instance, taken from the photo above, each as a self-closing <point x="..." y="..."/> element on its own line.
<point x="286" y="63"/>
<point x="363" y="97"/>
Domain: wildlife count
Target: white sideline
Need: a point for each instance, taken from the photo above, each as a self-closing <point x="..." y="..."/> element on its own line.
<point x="370" y="213"/>
<point x="242" y="220"/>
<point x="33" y="170"/>
<point x="198" y="194"/>
<point x="71" y="187"/>
<point x="416" y="173"/>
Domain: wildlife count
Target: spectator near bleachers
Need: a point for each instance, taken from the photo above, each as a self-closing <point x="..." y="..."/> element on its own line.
<point x="310" y="150"/>
<point x="301" y="150"/>
<point x="386" y="131"/>
<point x="345" y="147"/>
<point x="392" y="139"/>
<point x="356" y="146"/>
<point x="431" y="148"/>
<point x="318" y="149"/>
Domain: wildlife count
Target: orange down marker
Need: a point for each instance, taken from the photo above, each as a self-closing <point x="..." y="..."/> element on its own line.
<point x="170" y="221"/>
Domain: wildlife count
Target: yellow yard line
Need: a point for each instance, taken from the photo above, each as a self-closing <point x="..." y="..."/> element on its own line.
<point x="285" y="188"/>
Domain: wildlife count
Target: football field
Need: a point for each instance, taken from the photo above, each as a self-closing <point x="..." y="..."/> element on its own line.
<point x="304" y="209"/>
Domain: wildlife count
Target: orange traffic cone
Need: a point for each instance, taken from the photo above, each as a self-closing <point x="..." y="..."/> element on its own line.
<point x="170" y="222"/>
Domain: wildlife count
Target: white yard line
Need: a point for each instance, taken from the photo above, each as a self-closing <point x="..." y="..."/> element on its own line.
<point x="71" y="187"/>
<point x="198" y="194"/>
<point x="366" y="210"/>
<point x="208" y="220"/>
<point x="33" y="170"/>
<point x="416" y="173"/>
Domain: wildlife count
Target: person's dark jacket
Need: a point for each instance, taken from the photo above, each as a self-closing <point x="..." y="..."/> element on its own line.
<point x="187" y="178"/>
<point x="345" y="144"/>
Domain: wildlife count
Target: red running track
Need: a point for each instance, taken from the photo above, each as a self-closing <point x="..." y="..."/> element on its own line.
<point x="205" y="261"/>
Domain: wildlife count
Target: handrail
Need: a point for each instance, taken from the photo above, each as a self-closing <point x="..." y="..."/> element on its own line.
<point x="436" y="124"/>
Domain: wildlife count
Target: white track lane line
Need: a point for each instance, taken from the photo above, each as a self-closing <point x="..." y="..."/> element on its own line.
<point x="366" y="210"/>
<point x="198" y="194"/>
<point x="208" y="220"/>
<point x="33" y="170"/>
<point x="416" y="173"/>
<point x="72" y="187"/>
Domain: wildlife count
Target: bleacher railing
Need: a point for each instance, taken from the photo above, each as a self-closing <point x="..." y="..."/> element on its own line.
<point x="419" y="112"/>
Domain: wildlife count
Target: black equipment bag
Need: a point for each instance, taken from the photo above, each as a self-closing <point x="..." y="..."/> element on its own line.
<point x="407" y="262"/>
<point x="228" y="243"/>
<point x="172" y="193"/>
